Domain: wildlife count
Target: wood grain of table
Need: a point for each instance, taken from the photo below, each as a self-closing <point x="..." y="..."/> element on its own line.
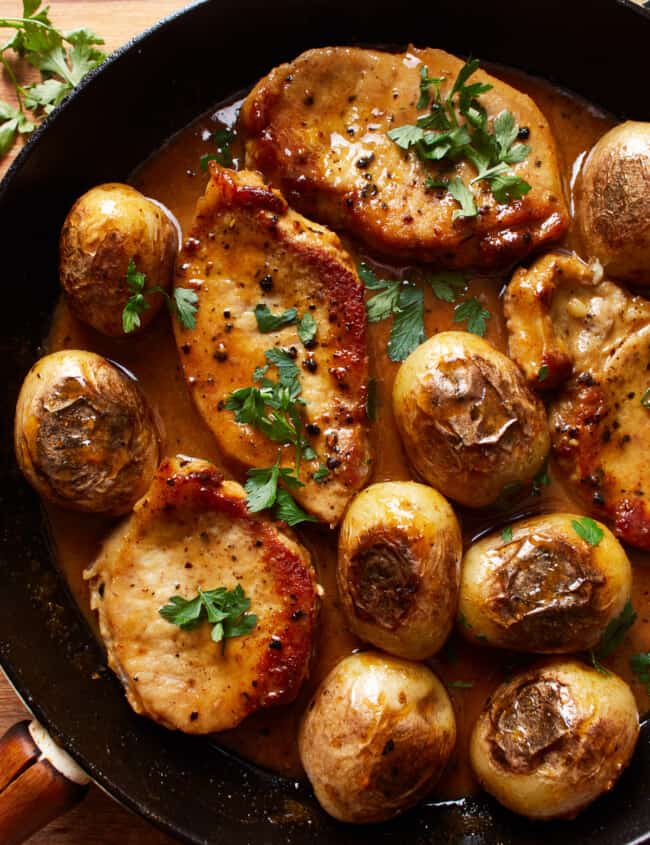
<point x="98" y="820"/>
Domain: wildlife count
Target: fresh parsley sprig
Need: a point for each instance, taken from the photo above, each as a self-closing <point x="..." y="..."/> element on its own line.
<point x="474" y="314"/>
<point x="222" y="139"/>
<point x="263" y="491"/>
<point x="402" y="301"/>
<point x="63" y="58"/>
<point x="269" y="322"/>
<point x="613" y="636"/>
<point x="457" y="128"/>
<point x="226" y="610"/>
<point x="182" y="303"/>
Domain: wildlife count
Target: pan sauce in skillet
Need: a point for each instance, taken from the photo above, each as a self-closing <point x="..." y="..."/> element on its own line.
<point x="172" y="176"/>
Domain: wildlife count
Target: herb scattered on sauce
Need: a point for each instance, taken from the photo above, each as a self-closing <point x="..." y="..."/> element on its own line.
<point x="439" y="137"/>
<point x="222" y="139"/>
<point x="475" y="314"/>
<point x="645" y="399"/>
<point x="588" y="530"/>
<point x="225" y="609"/>
<point x="640" y="665"/>
<point x="182" y="303"/>
<point x="405" y="303"/>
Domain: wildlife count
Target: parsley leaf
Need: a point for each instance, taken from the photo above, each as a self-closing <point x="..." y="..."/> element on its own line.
<point x="640" y="665"/>
<point x="307" y="329"/>
<point x="542" y="479"/>
<point x="405" y="302"/>
<point x="185" y="306"/>
<point x="287" y="509"/>
<point x="63" y="58"/>
<point x="506" y="534"/>
<point x="268" y="322"/>
<point x="442" y="136"/>
<point x="222" y="138"/>
<point x="408" y="324"/>
<point x="476" y="316"/>
<point x="321" y="474"/>
<point x="588" y="530"/>
<point x="645" y="399"/>
<point x="183" y="301"/>
<point x="613" y="636"/>
<point x="447" y="284"/>
<point x="460" y="684"/>
<point x="542" y="373"/>
<point x="225" y="609"/>
<point x="371" y="400"/>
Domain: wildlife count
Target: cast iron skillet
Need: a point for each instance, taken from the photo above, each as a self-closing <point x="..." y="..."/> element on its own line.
<point x="151" y="88"/>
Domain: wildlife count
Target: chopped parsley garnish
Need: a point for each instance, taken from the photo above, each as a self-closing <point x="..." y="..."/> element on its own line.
<point x="645" y="399"/>
<point x="613" y="636"/>
<point x="222" y="138"/>
<point x="460" y="684"/>
<point x="268" y="322"/>
<point x="273" y="407"/>
<point x="474" y="313"/>
<point x="321" y="474"/>
<point x="225" y="609"/>
<point x="441" y="136"/>
<point x="446" y="285"/>
<point x="405" y="303"/>
<point x="63" y="59"/>
<point x="182" y="303"/>
<point x="506" y="534"/>
<point x="307" y="328"/>
<point x="588" y="530"/>
<point x="542" y="373"/>
<point x="264" y="492"/>
<point x="640" y="665"/>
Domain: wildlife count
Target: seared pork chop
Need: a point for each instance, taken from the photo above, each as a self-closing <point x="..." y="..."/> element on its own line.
<point x="246" y="248"/>
<point x="565" y="322"/>
<point x="192" y="530"/>
<point x="317" y="128"/>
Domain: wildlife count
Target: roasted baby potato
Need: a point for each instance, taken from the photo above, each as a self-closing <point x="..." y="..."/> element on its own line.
<point x="613" y="202"/>
<point x="398" y="568"/>
<point x="376" y="737"/>
<point x="84" y="435"/>
<point x="107" y="228"/>
<point x="554" y="738"/>
<point x="543" y="588"/>
<point x="469" y="424"/>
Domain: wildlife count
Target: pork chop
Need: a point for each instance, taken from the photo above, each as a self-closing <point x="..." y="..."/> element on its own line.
<point x="192" y="530"/>
<point x="246" y="248"/>
<point x="570" y="328"/>
<point x="317" y="128"/>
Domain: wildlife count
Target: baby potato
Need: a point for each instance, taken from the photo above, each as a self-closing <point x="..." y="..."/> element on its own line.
<point x="84" y="435"/>
<point x="554" y="738"/>
<point x="376" y="737"/>
<point x="469" y="424"/>
<point x="107" y="228"/>
<point x="544" y="589"/>
<point x="398" y="568"/>
<point x="613" y="202"/>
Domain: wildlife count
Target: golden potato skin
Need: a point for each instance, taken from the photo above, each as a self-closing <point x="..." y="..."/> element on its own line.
<point x="554" y="738"/>
<point x="376" y="737"/>
<point x="469" y="423"/>
<point x="613" y="202"/>
<point x="399" y="567"/>
<point x="106" y="228"/>
<point x="84" y="435"/>
<point x="544" y="590"/>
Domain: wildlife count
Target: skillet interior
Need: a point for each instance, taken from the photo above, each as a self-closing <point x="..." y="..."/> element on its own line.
<point x="154" y="87"/>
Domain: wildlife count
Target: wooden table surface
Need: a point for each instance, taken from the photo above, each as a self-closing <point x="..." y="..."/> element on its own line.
<point x="98" y="820"/>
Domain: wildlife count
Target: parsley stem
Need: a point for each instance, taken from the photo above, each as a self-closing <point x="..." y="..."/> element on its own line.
<point x="12" y="76"/>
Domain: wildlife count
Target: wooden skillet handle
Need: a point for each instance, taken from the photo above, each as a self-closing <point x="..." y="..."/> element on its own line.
<point x="38" y="782"/>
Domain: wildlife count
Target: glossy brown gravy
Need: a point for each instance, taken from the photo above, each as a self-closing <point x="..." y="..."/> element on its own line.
<point x="172" y="175"/>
